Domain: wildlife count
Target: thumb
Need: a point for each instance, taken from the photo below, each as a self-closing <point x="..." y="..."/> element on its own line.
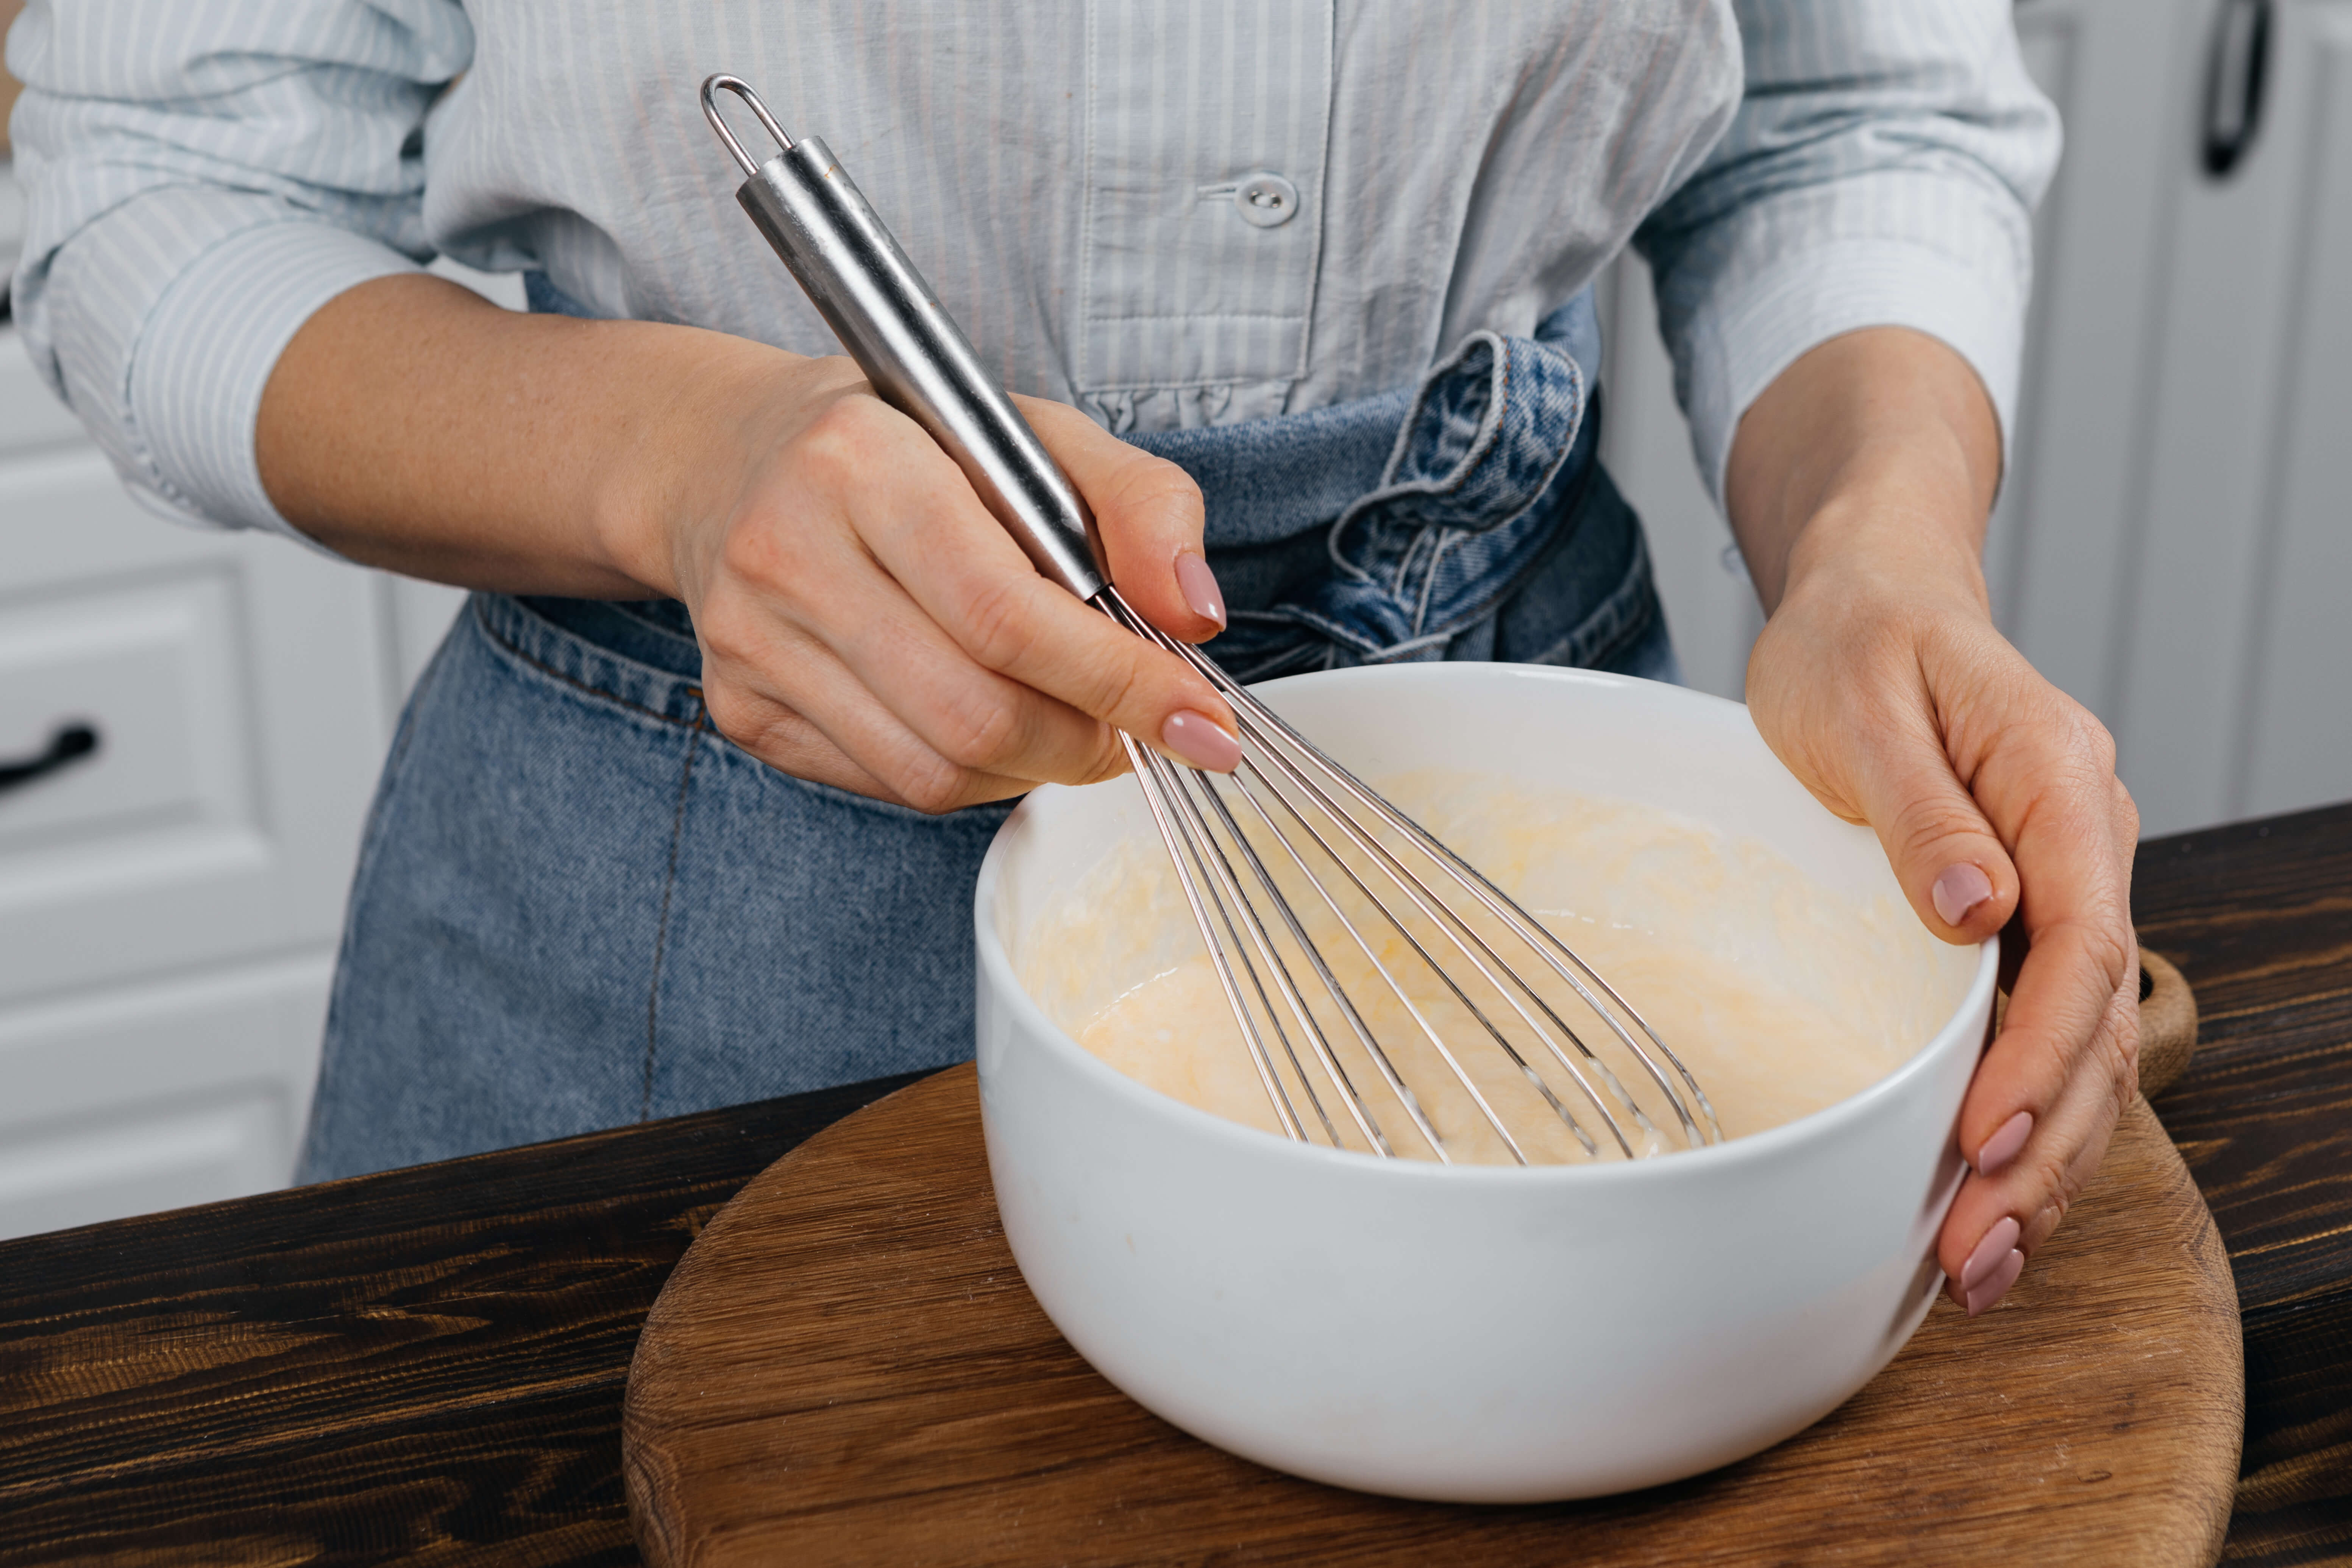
<point x="1951" y="864"/>
<point x="1149" y="512"/>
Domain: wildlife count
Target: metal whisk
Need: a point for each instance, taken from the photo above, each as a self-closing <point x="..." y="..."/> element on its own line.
<point x="1291" y="840"/>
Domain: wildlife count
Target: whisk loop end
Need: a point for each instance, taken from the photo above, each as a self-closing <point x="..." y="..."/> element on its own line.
<point x="1290" y="854"/>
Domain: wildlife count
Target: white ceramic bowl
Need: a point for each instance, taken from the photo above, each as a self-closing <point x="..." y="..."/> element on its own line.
<point x="1470" y="1333"/>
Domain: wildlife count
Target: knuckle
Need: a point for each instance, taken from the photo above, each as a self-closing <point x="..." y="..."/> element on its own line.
<point x="754" y="551"/>
<point x="933" y="788"/>
<point x="2059" y="1179"/>
<point x="753" y="723"/>
<point x="731" y="634"/>
<point x="839" y="445"/>
<point x="2108" y="944"/>
<point x="2057" y="1059"/>
<point x="1121" y="680"/>
<point x="2121" y="1047"/>
<point x="1152" y="484"/>
<point x="2094" y="739"/>
<point x="2085" y="747"/>
<point x="982" y="735"/>
<point x="999" y="619"/>
<point x="1110" y="758"/>
<point x="1935" y="825"/>
<point x="732" y="713"/>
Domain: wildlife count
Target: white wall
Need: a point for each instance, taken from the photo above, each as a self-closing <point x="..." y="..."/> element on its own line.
<point x="2173" y="544"/>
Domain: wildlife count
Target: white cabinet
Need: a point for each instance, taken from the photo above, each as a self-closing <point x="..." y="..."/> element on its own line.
<point x="170" y="902"/>
<point x="2173" y="544"/>
<point x="237" y="697"/>
<point x="158" y="1093"/>
<point x="2231" y="695"/>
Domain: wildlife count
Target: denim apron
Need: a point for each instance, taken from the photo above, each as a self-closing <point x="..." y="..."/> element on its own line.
<point x="578" y="905"/>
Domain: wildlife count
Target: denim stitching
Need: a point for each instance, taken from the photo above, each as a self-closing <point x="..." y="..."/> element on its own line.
<point x="1482" y="444"/>
<point x="661" y="930"/>
<point x="579" y="685"/>
<point x="1624" y="613"/>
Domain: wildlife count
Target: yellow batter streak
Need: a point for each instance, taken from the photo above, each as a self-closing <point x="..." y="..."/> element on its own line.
<point x="1780" y="997"/>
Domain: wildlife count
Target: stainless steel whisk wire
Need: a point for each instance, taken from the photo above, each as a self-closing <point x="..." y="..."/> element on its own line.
<point x="885" y="316"/>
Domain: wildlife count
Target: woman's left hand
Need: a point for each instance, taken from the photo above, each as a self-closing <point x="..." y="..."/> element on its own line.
<point x="1860" y="483"/>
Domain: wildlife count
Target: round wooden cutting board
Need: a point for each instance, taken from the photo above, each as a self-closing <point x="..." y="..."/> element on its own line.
<point x="848" y="1368"/>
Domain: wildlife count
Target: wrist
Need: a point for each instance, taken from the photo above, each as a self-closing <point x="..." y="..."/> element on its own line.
<point x="710" y="403"/>
<point x="1908" y="538"/>
<point x="1876" y="447"/>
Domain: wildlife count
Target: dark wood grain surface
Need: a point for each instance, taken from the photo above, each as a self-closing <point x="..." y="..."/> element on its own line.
<point x="847" y="1369"/>
<point x="396" y="1368"/>
<point x="2258" y="918"/>
<point x="428" y="1366"/>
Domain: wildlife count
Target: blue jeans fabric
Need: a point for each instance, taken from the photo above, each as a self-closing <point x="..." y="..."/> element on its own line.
<point x="578" y="905"/>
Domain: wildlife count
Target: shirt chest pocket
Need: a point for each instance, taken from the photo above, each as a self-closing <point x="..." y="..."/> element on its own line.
<point x="1206" y="131"/>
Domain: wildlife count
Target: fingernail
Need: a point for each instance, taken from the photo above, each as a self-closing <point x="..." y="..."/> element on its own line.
<point x="2002" y="1146"/>
<point x="1959" y="890"/>
<point x="1196" y="739"/>
<point x="1200" y="588"/>
<point x="1996" y="1285"/>
<point x="1997" y="1243"/>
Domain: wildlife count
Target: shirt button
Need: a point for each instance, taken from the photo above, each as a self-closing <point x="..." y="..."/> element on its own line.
<point x="1266" y="200"/>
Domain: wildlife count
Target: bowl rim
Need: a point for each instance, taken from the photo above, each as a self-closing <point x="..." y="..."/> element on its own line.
<point x="1748" y="1147"/>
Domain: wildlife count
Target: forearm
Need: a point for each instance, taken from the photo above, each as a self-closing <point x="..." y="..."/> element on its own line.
<point x="411" y="423"/>
<point x="1859" y="484"/>
<point x="1876" y="452"/>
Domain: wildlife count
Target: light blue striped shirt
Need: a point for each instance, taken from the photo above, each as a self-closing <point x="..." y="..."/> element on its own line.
<point x="1082" y="181"/>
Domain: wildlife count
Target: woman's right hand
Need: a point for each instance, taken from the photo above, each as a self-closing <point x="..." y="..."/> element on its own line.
<point x="864" y="622"/>
<point x="867" y="623"/>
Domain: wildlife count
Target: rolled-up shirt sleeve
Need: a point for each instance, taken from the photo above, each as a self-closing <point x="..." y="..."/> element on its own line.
<point x="201" y="176"/>
<point x="1881" y="170"/>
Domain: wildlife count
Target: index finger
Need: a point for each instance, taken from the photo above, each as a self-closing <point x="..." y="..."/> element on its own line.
<point x="928" y="530"/>
<point x="2048" y="790"/>
<point x="1150" y="517"/>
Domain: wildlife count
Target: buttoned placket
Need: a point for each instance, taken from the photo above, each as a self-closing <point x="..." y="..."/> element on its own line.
<point x="1206" y="132"/>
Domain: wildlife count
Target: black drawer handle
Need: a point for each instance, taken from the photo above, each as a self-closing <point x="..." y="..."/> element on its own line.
<point x="2235" y="79"/>
<point x="71" y="742"/>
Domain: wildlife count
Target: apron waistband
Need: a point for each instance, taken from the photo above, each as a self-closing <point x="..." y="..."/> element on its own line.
<point x="1433" y="502"/>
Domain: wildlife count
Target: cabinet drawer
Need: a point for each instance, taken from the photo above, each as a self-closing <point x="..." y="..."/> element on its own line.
<point x="148" y="672"/>
<point x="237" y="684"/>
<point x="157" y="1096"/>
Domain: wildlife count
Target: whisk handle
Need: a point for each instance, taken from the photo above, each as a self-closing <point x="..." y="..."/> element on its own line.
<point x="918" y="359"/>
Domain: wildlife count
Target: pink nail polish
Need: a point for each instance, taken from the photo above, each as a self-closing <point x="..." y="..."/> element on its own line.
<point x="1991" y="1252"/>
<point x="1196" y="739"/>
<point x="2002" y="1146"/>
<point x="1199" y="585"/>
<point x="1996" y="1285"/>
<point x="1959" y="890"/>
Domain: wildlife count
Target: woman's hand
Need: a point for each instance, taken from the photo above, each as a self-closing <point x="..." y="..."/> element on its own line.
<point x="865" y="621"/>
<point x="1860" y="483"/>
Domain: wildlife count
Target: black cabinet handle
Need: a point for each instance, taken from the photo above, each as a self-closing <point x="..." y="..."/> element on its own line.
<point x="2235" y="79"/>
<point x="70" y="743"/>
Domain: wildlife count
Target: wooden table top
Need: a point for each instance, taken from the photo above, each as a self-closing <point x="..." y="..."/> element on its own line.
<point x="430" y="1363"/>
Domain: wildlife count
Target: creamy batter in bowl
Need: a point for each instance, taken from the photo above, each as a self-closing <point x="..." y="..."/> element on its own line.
<point x="1467" y="1333"/>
